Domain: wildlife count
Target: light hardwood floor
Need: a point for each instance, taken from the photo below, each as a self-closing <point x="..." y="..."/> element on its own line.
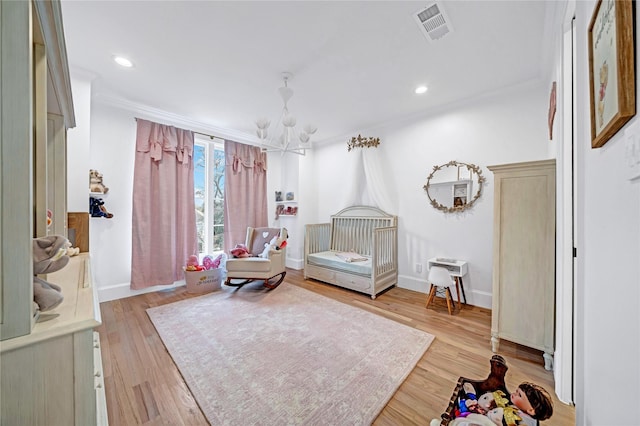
<point x="143" y="385"/>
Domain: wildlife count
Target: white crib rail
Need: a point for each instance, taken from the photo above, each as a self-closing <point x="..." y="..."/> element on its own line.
<point x="355" y="233"/>
<point x="316" y="238"/>
<point x="385" y="250"/>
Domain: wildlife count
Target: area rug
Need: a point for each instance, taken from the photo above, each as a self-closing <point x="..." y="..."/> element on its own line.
<point x="287" y="356"/>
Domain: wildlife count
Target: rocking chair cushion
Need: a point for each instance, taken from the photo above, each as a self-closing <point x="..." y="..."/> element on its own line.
<point x="248" y="265"/>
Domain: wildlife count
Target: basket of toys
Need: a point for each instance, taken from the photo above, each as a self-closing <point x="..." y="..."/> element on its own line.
<point x="489" y="403"/>
<point x="205" y="277"/>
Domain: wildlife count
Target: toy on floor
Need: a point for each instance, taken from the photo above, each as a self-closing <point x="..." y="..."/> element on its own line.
<point x="95" y="182"/>
<point x="49" y="255"/>
<point x="532" y="400"/>
<point x="495" y="405"/>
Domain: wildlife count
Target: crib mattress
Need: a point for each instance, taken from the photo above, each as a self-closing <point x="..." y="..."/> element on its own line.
<point x="329" y="259"/>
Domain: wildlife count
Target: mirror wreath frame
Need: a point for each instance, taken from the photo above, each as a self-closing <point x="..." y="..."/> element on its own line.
<point x="455" y="209"/>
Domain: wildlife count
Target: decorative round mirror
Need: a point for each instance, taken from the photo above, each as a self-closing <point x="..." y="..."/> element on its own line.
<point x="450" y="186"/>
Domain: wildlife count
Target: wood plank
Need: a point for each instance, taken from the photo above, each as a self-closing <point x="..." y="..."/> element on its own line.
<point x="137" y="365"/>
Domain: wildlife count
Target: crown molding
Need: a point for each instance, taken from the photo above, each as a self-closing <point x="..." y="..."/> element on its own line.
<point x="147" y="112"/>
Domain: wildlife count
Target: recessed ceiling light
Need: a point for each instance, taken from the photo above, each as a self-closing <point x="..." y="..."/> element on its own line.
<point x="421" y="89"/>
<point x="123" y="61"/>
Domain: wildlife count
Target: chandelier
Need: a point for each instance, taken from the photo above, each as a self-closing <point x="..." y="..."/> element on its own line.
<point x="286" y="138"/>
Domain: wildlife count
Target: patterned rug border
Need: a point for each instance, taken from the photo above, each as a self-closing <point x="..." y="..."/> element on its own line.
<point x="175" y="345"/>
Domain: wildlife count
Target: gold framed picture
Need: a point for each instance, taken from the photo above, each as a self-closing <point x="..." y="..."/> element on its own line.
<point x="611" y="69"/>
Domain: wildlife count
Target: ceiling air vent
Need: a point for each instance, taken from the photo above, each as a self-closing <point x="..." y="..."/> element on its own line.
<point x="433" y="22"/>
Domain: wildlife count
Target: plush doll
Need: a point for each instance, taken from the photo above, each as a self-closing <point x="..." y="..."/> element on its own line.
<point x="46" y="295"/>
<point x="468" y="401"/>
<point x="49" y="255"/>
<point x="97" y="208"/>
<point x="472" y="419"/>
<point x="193" y="264"/>
<point x="240" y="250"/>
<point x="505" y="416"/>
<point x="95" y="182"/>
<point x="94" y="207"/>
<point x="210" y="263"/>
<point x="277" y="243"/>
<point x="71" y="251"/>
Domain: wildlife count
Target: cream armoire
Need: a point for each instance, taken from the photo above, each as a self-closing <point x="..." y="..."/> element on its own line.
<point x="50" y="371"/>
<point x="523" y="305"/>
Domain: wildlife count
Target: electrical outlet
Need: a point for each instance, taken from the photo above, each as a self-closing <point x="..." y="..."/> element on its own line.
<point x="418" y="268"/>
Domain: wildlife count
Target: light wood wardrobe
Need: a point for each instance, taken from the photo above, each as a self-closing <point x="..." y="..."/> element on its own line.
<point x="51" y="371"/>
<point x="523" y="306"/>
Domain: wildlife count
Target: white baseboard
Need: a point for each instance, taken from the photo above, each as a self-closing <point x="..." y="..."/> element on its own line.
<point x="297" y="264"/>
<point x="120" y="291"/>
<point x="413" y="283"/>
<point x="474" y="297"/>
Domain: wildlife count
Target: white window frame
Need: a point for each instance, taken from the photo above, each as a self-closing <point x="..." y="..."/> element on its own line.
<point x="210" y="145"/>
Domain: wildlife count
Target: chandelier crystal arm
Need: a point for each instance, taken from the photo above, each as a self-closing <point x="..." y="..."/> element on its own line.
<point x="284" y="137"/>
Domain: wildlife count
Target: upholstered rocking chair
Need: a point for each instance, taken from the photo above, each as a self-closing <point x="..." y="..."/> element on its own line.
<point x="264" y="258"/>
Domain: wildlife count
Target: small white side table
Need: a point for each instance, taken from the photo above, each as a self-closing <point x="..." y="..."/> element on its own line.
<point x="457" y="269"/>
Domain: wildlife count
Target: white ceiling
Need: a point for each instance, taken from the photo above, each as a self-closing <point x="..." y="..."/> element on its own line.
<point x="355" y="63"/>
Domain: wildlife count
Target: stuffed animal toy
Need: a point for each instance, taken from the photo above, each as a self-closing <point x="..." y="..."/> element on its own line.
<point x="277" y="243"/>
<point x="491" y="400"/>
<point x="95" y="182"/>
<point x="472" y="419"/>
<point x="468" y="401"/>
<point x="208" y="262"/>
<point x="97" y="208"/>
<point x="193" y="264"/>
<point x="47" y="296"/>
<point x="240" y="250"/>
<point x="49" y="255"/>
<point x="505" y="416"/>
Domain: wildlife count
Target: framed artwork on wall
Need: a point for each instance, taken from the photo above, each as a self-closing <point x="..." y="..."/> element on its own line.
<point x="611" y="69"/>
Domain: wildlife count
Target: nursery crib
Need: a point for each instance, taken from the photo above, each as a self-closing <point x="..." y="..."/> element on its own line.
<point x="360" y="230"/>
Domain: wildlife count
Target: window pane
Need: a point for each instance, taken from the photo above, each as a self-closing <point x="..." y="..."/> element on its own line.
<point x="218" y="174"/>
<point x="199" y="169"/>
<point x="218" y="232"/>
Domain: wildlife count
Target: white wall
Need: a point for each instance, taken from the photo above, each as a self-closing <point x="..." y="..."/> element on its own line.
<point x="608" y="318"/>
<point x="78" y="145"/>
<point x="112" y="153"/>
<point x="504" y="128"/>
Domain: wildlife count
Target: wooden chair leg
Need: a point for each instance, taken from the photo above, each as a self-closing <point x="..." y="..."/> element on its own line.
<point x="448" y="294"/>
<point x="458" y="291"/>
<point x="432" y="293"/>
